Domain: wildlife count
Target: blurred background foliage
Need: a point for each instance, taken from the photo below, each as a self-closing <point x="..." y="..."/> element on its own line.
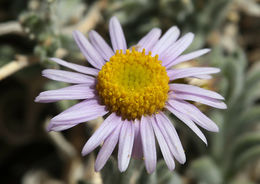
<point x="31" y="31"/>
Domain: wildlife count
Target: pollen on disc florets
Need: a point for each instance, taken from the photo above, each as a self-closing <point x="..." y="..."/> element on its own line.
<point x="133" y="84"/>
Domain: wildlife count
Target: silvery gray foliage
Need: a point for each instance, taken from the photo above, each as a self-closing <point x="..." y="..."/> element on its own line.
<point x="237" y="144"/>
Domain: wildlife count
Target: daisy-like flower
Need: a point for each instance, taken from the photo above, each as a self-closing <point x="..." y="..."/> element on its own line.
<point x="133" y="88"/>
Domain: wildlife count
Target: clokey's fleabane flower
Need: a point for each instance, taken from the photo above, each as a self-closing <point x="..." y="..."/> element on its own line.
<point x="134" y="88"/>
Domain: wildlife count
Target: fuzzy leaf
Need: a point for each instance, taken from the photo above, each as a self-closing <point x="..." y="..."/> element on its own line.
<point x="247" y="119"/>
<point x="205" y="170"/>
<point x="252" y="85"/>
<point x="240" y="148"/>
<point x="249" y="155"/>
<point x="165" y="176"/>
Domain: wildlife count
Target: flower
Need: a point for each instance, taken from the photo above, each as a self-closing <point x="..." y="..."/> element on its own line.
<point x="133" y="88"/>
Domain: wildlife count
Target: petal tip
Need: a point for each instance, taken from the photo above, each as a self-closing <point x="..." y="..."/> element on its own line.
<point x="122" y="169"/>
<point x="183" y="160"/>
<point x="205" y="141"/>
<point x="92" y="33"/>
<point x="214" y="129"/>
<point x="76" y="34"/>
<point x="224" y="106"/>
<point x="97" y="168"/>
<point x="49" y="128"/>
<point x="114" y="18"/>
<point x="207" y="50"/>
<point x="52" y="58"/>
<point x="37" y="99"/>
<point x="217" y="70"/>
<point x="176" y="29"/>
<point x="190" y="34"/>
<point x="150" y="171"/>
<point x="84" y="152"/>
<point x="171" y="168"/>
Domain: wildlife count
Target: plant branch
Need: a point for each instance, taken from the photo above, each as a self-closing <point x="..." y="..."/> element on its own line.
<point x="90" y="20"/>
<point x="16" y="65"/>
<point x="10" y="27"/>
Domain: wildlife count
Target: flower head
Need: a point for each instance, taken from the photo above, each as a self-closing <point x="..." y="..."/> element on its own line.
<point x="133" y="87"/>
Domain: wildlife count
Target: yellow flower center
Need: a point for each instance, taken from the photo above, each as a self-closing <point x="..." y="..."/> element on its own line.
<point x="133" y="84"/>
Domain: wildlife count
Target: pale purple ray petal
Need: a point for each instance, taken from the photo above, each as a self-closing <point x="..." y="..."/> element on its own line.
<point x="148" y="142"/>
<point x="166" y="41"/>
<point x="163" y="145"/>
<point x="125" y="145"/>
<point x="171" y="137"/>
<point x="78" y="68"/>
<point x="57" y="128"/>
<point x="148" y="41"/>
<point x="176" y="49"/>
<point x="187" y="121"/>
<point x="69" y="77"/>
<point x="117" y="35"/>
<point x="187" y="57"/>
<point x="137" y="147"/>
<point x="195" y="114"/>
<point x="100" y="45"/>
<point x="199" y="98"/>
<point x="186" y="88"/>
<point x="190" y="72"/>
<point x="76" y="92"/>
<point x="88" y="50"/>
<point x="202" y="76"/>
<point x="86" y="109"/>
<point x="105" y="129"/>
<point x="81" y="112"/>
<point x="107" y="148"/>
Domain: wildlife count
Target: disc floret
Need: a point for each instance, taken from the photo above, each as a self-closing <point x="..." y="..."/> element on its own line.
<point x="133" y="84"/>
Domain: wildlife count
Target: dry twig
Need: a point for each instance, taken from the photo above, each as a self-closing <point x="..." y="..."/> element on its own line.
<point x="90" y="20"/>
<point x="74" y="171"/>
<point x="10" y="27"/>
<point x="14" y="66"/>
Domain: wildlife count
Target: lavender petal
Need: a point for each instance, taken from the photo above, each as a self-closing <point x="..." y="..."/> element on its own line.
<point x="186" y="88"/>
<point x="100" y="45"/>
<point x="125" y="146"/>
<point x="88" y="50"/>
<point x="57" y="128"/>
<point x="163" y="145"/>
<point x="117" y="35"/>
<point x="187" y="57"/>
<point x="171" y="137"/>
<point x="190" y="72"/>
<point x="195" y="114"/>
<point x="76" y="92"/>
<point x="107" y="148"/>
<point x="69" y="77"/>
<point x="78" y="68"/>
<point x="137" y="147"/>
<point x="148" y="142"/>
<point x="176" y="49"/>
<point x="105" y="129"/>
<point x="187" y="121"/>
<point x="84" y="110"/>
<point x="81" y="112"/>
<point x="149" y="40"/>
<point x="199" y="98"/>
<point x="166" y="41"/>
